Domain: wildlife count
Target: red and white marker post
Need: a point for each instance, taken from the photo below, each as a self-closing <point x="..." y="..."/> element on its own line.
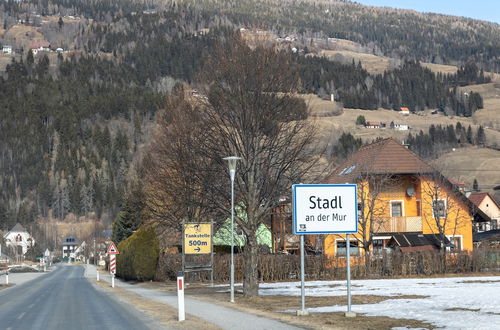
<point x="112" y="252"/>
<point x="180" y="296"/>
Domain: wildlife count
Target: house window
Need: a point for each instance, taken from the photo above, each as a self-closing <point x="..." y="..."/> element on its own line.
<point x="342" y="248"/>
<point x="419" y="208"/>
<point x="456" y="243"/>
<point x="396" y="208"/>
<point x="439" y="208"/>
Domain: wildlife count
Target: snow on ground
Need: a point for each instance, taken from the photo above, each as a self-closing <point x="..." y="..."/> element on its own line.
<point x="452" y="303"/>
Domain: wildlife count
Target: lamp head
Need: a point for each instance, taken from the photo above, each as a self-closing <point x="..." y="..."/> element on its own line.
<point x="232" y="162"/>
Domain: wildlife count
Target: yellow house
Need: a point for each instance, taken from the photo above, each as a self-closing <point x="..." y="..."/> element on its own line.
<point x="404" y="204"/>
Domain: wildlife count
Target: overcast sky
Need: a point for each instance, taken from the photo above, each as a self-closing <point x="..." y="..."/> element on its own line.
<point x="486" y="10"/>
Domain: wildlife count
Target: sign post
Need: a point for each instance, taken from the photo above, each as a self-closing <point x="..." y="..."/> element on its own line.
<point x="112" y="252"/>
<point x="197" y="240"/>
<point x="324" y="209"/>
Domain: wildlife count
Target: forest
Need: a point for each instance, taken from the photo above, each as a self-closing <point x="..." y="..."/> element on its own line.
<point x="72" y="125"/>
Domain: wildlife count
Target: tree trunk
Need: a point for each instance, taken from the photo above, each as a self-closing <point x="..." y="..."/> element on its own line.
<point x="367" y="260"/>
<point x="250" y="281"/>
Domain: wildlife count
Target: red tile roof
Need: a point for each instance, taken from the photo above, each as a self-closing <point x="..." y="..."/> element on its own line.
<point x="477" y="198"/>
<point x="383" y="157"/>
<point x="40" y="44"/>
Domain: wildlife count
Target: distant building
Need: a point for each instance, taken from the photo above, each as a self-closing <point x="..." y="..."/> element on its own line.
<point x="404" y="111"/>
<point x="39" y="47"/>
<point x="372" y="124"/>
<point x="490" y="207"/>
<point x="19" y="239"/>
<point x="399" y="127"/>
<point x="7" y="49"/>
<point x="69" y="246"/>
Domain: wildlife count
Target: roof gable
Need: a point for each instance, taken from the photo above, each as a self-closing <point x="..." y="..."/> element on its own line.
<point x="383" y="157"/>
<point x="478" y="197"/>
<point x="18" y="228"/>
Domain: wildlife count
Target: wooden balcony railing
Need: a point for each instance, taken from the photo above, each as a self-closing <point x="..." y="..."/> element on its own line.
<point x="398" y="225"/>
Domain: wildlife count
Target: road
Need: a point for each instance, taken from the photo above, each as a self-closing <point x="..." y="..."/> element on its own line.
<point x="64" y="299"/>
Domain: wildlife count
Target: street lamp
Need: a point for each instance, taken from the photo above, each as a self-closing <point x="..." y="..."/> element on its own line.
<point x="232" y="171"/>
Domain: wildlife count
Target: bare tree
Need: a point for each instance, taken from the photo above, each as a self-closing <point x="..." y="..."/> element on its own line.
<point x="372" y="208"/>
<point x="176" y="172"/>
<point x="249" y="112"/>
<point x="446" y="215"/>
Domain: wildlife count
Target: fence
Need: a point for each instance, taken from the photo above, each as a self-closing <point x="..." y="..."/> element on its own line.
<point x="280" y="267"/>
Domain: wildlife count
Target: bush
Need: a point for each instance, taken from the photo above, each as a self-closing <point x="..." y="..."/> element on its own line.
<point x="138" y="256"/>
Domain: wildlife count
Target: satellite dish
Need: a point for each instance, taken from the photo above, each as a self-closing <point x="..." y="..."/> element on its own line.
<point x="410" y="191"/>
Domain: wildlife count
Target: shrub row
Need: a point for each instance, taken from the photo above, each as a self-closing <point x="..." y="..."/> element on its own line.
<point x="138" y="258"/>
<point x="280" y="267"/>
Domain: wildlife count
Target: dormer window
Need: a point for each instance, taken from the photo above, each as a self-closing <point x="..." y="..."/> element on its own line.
<point x="347" y="170"/>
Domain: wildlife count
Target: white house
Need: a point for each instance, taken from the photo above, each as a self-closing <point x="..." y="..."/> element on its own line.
<point x="399" y="127"/>
<point x="69" y="247"/>
<point x="40" y="46"/>
<point x="490" y="207"/>
<point x="7" y="49"/>
<point x="19" y="239"/>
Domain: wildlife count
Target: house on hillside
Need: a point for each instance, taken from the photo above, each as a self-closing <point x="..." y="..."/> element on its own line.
<point x="404" y="111"/>
<point x="403" y="203"/>
<point x="7" y="49"/>
<point x="459" y="185"/>
<point x="485" y="202"/>
<point x="40" y="46"/>
<point x="19" y="240"/>
<point x="372" y="124"/>
<point x="399" y="126"/>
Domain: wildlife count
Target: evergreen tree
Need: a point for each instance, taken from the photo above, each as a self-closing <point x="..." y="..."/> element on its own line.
<point x="360" y="120"/>
<point x="480" y="136"/>
<point x="475" y="185"/>
<point x="469" y="135"/>
<point x="129" y="218"/>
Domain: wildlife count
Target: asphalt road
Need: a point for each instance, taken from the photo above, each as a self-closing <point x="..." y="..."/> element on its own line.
<point x="64" y="299"/>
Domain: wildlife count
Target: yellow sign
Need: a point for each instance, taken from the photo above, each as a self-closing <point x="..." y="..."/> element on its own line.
<point x="197" y="238"/>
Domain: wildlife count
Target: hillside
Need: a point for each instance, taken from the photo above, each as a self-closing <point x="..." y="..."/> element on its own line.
<point x="467" y="164"/>
<point x="74" y="123"/>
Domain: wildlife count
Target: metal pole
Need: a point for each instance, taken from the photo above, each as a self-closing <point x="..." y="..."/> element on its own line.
<point x="232" y="172"/>
<point x="302" y="276"/>
<point x="349" y="313"/>
<point x="348" y="245"/>
<point x="212" y="255"/>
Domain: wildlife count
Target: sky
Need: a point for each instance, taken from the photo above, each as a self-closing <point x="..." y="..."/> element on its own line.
<point x="486" y="10"/>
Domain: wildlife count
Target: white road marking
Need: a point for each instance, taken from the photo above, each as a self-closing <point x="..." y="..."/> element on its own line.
<point x="21" y="315"/>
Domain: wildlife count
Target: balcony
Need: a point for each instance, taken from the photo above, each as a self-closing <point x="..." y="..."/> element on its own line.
<point x="398" y="225"/>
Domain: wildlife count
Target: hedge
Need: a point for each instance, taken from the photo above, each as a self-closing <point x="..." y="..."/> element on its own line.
<point x="138" y="256"/>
